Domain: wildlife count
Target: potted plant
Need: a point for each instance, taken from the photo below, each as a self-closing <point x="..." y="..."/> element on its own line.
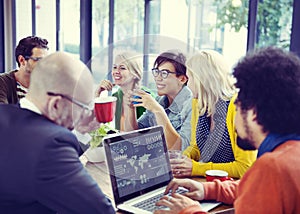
<point x="95" y="152"/>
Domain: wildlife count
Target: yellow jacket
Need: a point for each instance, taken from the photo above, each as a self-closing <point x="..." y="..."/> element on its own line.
<point x="243" y="159"/>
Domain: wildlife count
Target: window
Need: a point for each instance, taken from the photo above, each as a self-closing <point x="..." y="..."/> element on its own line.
<point x="45" y="24"/>
<point x="100" y="32"/>
<point x="69" y="35"/>
<point x="23" y="19"/>
<point x="218" y="25"/>
<point x="128" y="33"/>
<point x="274" y="19"/>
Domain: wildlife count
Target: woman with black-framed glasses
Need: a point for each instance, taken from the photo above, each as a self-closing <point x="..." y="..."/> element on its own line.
<point x="171" y="108"/>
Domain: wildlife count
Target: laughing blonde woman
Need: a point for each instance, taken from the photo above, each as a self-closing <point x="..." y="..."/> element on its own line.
<point x="127" y="73"/>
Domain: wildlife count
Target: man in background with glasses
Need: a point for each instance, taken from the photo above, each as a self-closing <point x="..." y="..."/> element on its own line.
<point x="39" y="157"/>
<point x="14" y="85"/>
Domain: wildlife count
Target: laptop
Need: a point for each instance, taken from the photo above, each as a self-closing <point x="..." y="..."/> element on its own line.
<point x="140" y="169"/>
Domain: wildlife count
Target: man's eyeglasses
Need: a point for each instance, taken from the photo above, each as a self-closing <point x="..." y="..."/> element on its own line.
<point x="89" y="107"/>
<point x="163" y="73"/>
<point x="33" y="58"/>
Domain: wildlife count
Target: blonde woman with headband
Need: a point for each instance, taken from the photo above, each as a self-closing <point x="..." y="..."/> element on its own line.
<point x="213" y="138"/>
<point x="127" y="72"/>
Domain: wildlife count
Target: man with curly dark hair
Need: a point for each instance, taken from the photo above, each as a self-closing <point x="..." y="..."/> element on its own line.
<point x="267" y="119"/>
<point x="14" y="84"/>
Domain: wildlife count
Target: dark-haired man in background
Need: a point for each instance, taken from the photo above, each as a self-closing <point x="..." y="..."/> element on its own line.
<point x="14" y="84"/>
<point x="267" y="119"/>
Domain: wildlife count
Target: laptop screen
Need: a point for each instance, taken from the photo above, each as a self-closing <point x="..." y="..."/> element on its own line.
<point x="138" y="162"/>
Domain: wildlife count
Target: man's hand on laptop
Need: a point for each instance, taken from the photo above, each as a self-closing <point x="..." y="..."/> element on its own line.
<point x="195" y="188"/>
<point x="176" y="202"/>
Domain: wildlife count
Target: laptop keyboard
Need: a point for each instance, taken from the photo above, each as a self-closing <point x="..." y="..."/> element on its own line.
<point x="149" y="203"/>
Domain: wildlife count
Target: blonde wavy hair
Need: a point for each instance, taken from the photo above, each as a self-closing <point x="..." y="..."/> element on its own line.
<point x="133" y="61"/>
<point x="212" y="78"/>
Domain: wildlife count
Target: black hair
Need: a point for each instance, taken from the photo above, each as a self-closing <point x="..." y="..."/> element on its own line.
<point x="269" y="82"/>
<point x="175" y="57"/>
<point x="26" y="45"/>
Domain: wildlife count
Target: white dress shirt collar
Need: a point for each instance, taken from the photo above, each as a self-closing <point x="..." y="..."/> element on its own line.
<point x="27" y="104"/>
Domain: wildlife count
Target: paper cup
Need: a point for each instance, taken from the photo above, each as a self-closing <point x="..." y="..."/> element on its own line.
<point x="105" y="108"/>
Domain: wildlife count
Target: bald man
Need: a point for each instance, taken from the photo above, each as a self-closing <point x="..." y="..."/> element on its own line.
<point x="39" y="156"/>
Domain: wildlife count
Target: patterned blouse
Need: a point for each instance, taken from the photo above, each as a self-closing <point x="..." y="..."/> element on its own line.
<point x="214" y="145"/>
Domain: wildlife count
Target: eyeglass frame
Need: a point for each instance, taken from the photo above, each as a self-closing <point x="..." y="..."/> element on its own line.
<point x="36" y="59"/>
<point x="73" y="100"/>
<point x="163" y="75"/>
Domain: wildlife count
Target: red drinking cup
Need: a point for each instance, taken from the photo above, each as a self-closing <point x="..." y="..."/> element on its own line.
<point x="105" y="108"/>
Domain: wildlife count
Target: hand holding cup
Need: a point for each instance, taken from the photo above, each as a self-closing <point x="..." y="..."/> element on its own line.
<point x="104" y="85"/>
<point x="176" y="159"/>
<point x="138" y="97"/>
<point x="175" y="155"/>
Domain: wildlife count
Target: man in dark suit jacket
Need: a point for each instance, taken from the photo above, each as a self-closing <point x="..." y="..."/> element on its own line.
<point x="39" y="156"/>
